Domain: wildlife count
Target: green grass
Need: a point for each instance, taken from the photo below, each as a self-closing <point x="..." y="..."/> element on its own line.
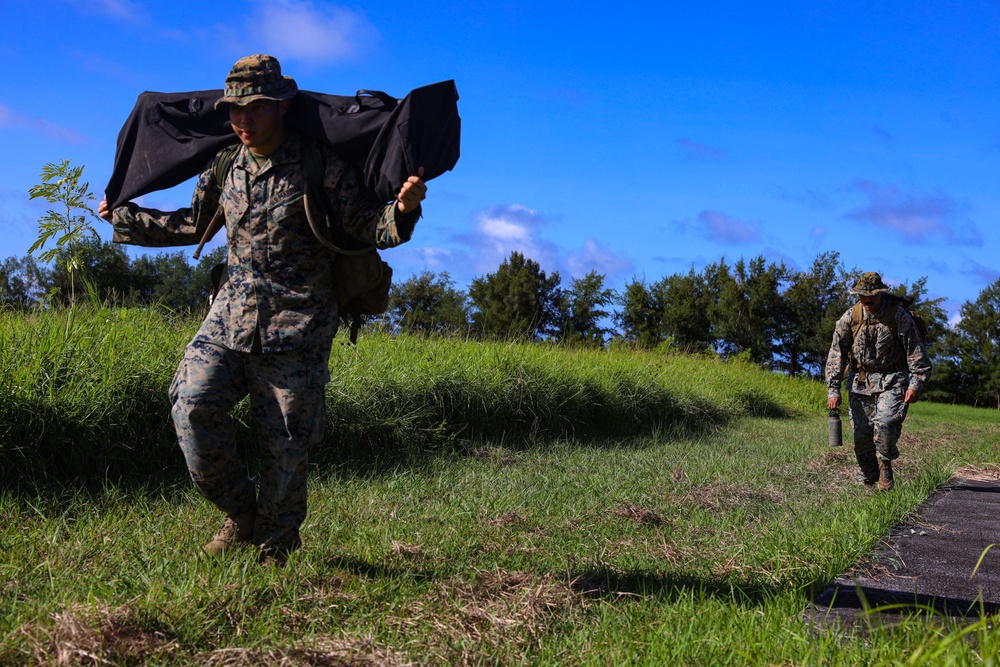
<point x="492" y="517"/>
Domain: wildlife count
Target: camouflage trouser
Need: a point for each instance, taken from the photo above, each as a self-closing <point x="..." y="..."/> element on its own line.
<point x="286" y="393"/>
<point x="877" y="422"/>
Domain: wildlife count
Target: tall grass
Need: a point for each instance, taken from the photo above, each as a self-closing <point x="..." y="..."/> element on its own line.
<point x="84" y="394"/>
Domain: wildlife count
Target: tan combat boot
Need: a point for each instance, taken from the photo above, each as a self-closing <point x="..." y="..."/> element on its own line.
<point x="236" y="531"/>
<point x="884" y="475"/>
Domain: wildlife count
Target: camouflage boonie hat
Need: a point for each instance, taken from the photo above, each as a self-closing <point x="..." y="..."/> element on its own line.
<point x="257" y="77"/>
<point x="868" y="284"/>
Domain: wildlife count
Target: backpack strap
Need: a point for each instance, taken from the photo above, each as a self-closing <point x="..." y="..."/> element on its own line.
<point x="223" y="163"/>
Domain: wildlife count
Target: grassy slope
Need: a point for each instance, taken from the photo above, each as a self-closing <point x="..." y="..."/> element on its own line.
<point x="484" y="516"/>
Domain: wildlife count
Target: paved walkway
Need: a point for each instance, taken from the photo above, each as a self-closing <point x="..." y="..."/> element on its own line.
<point x="928" y="561"/>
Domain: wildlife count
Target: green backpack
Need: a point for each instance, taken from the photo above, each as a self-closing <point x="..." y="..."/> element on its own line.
<point x="362" y="278"/>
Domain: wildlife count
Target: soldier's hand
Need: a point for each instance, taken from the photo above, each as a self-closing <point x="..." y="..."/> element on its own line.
<point x="833" y="403"/>
<point x="413" y="192"/>
<point x="102" y="210"/>
<point x="911" y="396"/>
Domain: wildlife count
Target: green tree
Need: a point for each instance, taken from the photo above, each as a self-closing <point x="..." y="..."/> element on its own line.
<point x="169" y="280"/>
<point x="747" y="307"/>
<point x="23" y="282"/>
<point x="428" y="303"/>
<point x="813" y="302"/>
<point x="582" y="311"/>
<point x="685" y="301"/>
<point x="968" y="368"/>
<point x="105" y="265"/>
<point x="640" y="319"/>
<point x="518" y="301"/>
<point x="70" y="227"/>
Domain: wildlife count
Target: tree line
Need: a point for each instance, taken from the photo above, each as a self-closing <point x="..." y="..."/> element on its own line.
<point x="756" y="310"/>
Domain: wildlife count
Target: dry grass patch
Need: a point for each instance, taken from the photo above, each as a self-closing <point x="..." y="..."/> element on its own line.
<point x="920" y="442"/>
<point x="496" y="611"/>
<point x="640" y="515"/>
<point x="987" y="473"/>
<point x="725" y="496"/>
<point x="319" y="652"/>
<point x="835" y="468"/>
<point x="506" y="519"/>
<point x="96" y="636"/>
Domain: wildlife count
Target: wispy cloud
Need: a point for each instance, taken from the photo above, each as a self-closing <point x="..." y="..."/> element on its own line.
<point x="11" y="120"/>
<point x="694" y="150"/>
<point x="983" y="275"/>
<point x="500" y="230"/>
<point x="916" y="218"/>
<point x="721" y="228"/>
<point x="124" y="11"/>
<point x="594" y="257"/>
<point x="779" y="256"/>
<point x="882" y="133"/>
<point x="807" y="198"/>
<point x="302" y="30"/>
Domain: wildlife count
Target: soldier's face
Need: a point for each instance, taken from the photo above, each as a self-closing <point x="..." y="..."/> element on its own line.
<point x="870" y="302"/>
<point x="260" y="124"/>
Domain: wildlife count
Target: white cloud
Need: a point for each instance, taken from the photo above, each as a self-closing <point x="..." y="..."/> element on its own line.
<point x="300" y="30"/>
<point x="503" y="229"/>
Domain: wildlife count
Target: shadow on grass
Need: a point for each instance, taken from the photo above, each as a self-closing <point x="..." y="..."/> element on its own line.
<point x="45" y="447"/>
<point x="612" y="585"/>
<point x="368" y="570"/>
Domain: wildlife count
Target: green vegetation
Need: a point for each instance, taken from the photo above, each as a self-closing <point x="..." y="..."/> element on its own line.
<point x="473" y="503"/>
<point x="70" y="226"/>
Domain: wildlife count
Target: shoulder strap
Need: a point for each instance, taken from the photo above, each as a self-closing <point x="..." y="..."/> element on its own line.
<point x="222" y="166"/>
<point x="225" y="161"/>
<point x="857" y="317"/>
<point x="313" y="166"/>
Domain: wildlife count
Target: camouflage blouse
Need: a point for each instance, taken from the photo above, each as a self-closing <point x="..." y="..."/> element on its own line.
<point x="876" y="360"/>
<point x="280" y="277"/>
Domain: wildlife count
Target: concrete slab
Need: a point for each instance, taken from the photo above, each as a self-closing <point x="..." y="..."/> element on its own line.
<point x="927" y="562"/>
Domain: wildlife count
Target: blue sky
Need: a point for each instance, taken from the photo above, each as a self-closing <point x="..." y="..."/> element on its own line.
<point x="637" y="139"/>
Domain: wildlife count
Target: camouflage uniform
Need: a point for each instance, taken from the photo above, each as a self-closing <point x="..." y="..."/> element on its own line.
<point x="880" y="368"/>
<point x="269" y="330"/>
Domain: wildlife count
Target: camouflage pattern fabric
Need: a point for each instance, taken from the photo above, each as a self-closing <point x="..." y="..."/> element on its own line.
<point x="280" y="277"/>
<point x="878" y="422"/>
<point x="869" y="283"/>
<point x="876" y="348"/>
<point x="287" y="397"/>
<point x="257" y="77"/>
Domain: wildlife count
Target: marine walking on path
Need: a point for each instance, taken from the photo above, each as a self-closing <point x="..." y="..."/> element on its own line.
<point x="878" y="344"/>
